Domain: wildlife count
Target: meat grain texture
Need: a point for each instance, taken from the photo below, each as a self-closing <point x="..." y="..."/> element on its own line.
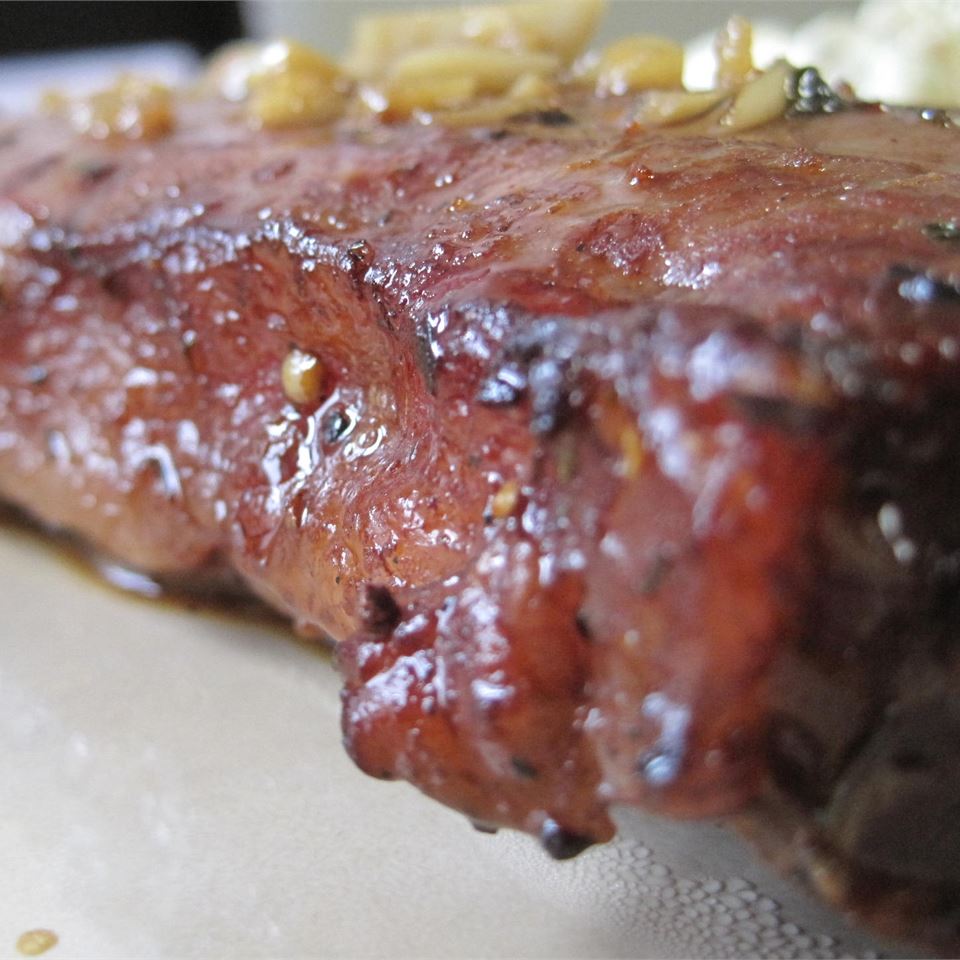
<point x="625" y="474"/>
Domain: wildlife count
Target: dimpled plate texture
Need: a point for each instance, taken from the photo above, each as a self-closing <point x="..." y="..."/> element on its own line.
<point x="174" y="786"/>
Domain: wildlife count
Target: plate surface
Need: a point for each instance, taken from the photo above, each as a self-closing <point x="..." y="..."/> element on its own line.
<point x="174" y="786"/>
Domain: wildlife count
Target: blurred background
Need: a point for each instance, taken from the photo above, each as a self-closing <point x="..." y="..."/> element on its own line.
<point x="27" y="27"/>
<point x="905" y="51"/>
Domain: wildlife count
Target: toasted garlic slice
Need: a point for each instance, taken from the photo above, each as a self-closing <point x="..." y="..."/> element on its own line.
<point x="291" y="100"/>
<point x="291" y="56"/>
<point x="236" y="68"/>
<point x="229" y="69"/>
<point x="531" y="88"/>
<point x="132" y="107"/>
<point x="493" y="71"/>
<point x="397" y="101"/>
<point x="761" y="100"/>
<point x="284" y="83"/>
<point x="664" y="107"/>
<point x="561" y="28"/>
<point x="640" y="63"/>
<point x="733" y="48"/>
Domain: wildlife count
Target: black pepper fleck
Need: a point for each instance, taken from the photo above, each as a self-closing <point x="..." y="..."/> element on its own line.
<point x="945" y="230"/>
<point x="560" y="843"/>
<point x="381" y="613"/>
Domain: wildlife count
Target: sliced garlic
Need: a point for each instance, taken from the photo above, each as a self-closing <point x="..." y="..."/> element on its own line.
<point x="639" y="63"/>
<point x="761" y="100"/>
<point x="397" y="101"/>
<point x="561" y="28"/>
<point x="531" y="88"/>
<point x="302" y="377"/>
<point x="493" y="71"/>
<point x="132" y="107"/>
<point x="665" y="107"/>
<point x="293" y="99"/>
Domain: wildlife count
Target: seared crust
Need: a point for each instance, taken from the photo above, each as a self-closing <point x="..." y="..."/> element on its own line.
<point x="626" y="474"/>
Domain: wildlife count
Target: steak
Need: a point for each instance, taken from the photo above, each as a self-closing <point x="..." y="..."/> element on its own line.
<point x="620" y="464"/>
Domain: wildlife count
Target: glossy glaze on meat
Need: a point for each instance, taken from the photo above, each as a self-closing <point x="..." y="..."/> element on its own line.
<point x="631" y="476"/>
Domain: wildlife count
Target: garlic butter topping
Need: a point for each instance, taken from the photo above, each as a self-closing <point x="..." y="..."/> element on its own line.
<point x="133" y="107"/>
<point x="465" y="66"/>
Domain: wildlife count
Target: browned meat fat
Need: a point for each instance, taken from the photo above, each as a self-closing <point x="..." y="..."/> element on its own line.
<point x="622" y="465"/>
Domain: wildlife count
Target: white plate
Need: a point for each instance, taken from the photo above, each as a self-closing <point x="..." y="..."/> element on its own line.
<point x="173" y="785"/>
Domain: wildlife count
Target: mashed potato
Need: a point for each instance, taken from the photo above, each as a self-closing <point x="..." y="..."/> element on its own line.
<point x="899" y="51"/>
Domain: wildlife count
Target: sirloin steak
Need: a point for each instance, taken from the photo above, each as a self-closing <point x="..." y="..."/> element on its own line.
<point x="621" y="464"/>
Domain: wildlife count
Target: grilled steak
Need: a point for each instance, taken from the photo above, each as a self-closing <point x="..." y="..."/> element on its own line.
<point x="621" y="464"/>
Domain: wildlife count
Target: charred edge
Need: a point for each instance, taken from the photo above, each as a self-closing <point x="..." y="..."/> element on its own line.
<point x="426" y="357"/>
<point x="92" y="172"/>
<point x="923" y="287"/>
<point x="943" y="230"/>
<point x="552" y="117"/>
<point x="116" y="286"/>
<point x="795" y="758"/>
<point x="272" y="172"/>
<point x="381" y="613"/>
<point x="560" y="843"/>
<point x="785" y="414"/>
<point x="523" y="768"/>
<point x="662" y="565"/>
<point x="381" y="774"/>
<point x="543" y="376"/>
<point x="336" y="425"/>
<point x="359" y="257"/>
<point x="481" y="826"/>
<point x="810" y="94"/>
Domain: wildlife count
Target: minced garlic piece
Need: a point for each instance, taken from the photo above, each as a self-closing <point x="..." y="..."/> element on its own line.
<point x="291" y="100"/>
<point x="291" y="84"/>
<point x="640" y="63"/>
<point x="133" y="107"/>
<point x="505" y="500"/>
<point x="284" y="83"/>
<point x="632" y="453"/>
<point x="302" y="376"/>
<point x="35" y="942"/>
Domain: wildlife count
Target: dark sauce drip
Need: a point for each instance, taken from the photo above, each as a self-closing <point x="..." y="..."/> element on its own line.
<point x="214" y="591"/>
<point x="560" y="843"/>
<point x="544" y="118"/>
